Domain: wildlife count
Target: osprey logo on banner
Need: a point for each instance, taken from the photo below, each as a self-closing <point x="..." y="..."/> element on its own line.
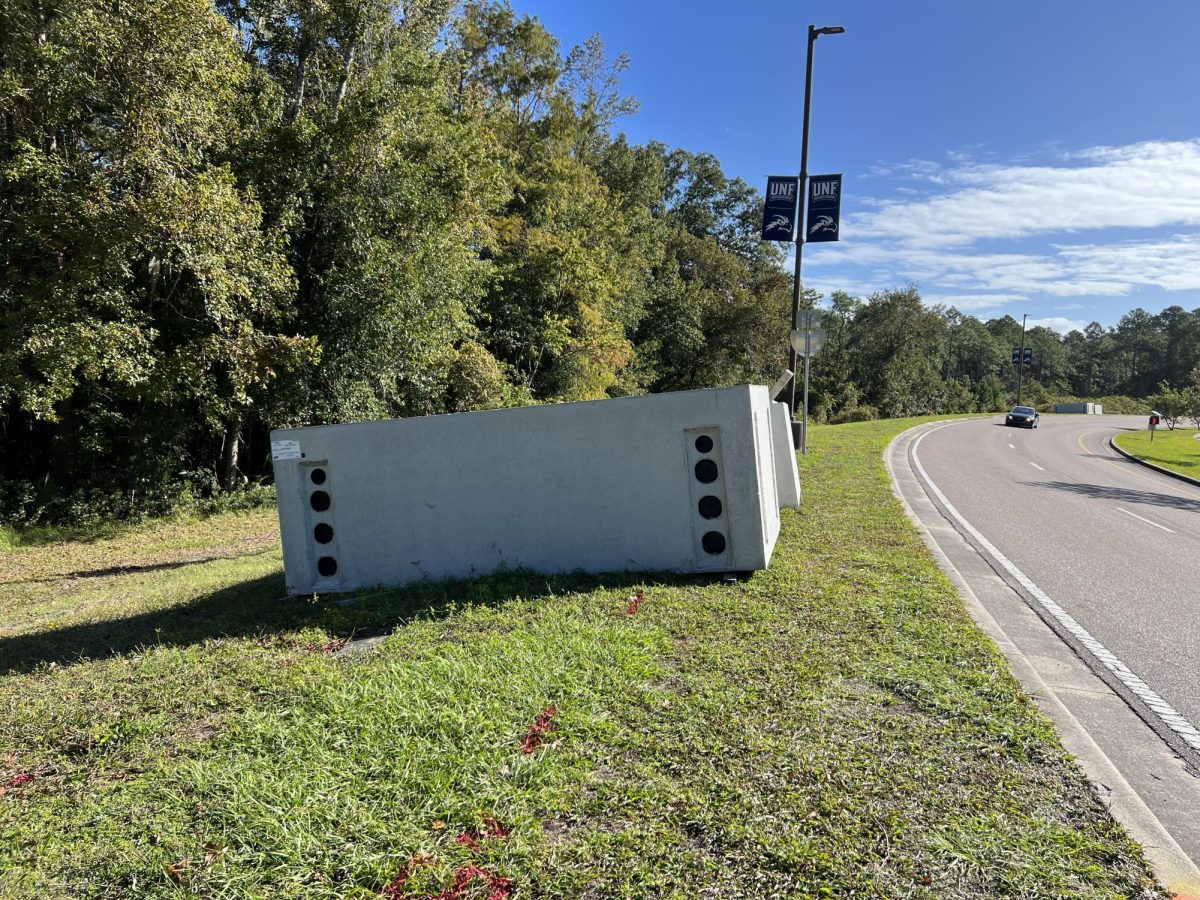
<point x="779" y="213"/>
<point x="824" y="208"/>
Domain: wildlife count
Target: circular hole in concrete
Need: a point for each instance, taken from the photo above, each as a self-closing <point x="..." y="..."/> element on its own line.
<point x="704" y="444"/>
<point x="713" y="542"/>
<point x="318" y="476"/>
<point x="319" y="501"/>
<point x="710" y="507"/>
<point x="323" y="533"/>
<point x="706" y="471"/>
<point x="327" y="565"/>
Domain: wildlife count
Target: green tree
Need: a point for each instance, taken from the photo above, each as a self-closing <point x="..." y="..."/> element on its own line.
<point x="897" y="345"/>
<point x="1173" y="403"/>
<point x="139" y="272"/>
<point x="380" y="167"/>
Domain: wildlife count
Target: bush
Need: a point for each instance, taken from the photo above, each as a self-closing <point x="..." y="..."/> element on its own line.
<point x="26" y="505"/>
<point x="854" y="414"/>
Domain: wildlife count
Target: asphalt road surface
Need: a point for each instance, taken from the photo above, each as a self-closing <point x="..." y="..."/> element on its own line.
<point x="1113" y="543"/>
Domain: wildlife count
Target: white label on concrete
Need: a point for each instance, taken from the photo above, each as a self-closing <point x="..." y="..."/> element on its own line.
<point x="285" y="449"/>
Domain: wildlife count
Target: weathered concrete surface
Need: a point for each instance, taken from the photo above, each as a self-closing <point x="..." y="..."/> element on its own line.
<point x="607" y="485"/>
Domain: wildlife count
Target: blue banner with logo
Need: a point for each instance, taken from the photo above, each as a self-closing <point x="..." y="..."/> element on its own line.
<point x="779" y="212"/>
<point x="824" y="208"/>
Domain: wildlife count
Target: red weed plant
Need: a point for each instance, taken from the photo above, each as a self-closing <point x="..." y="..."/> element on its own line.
<point x="539" y="728"/>
<point x="21" y="778"/>
<point x="491" y="830"/>
<point x="499" y="887"/>
<point x="394" y="889"/>
<point x="635" y="604"/>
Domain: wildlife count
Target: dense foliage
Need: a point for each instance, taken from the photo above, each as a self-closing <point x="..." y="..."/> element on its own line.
<point x="218" y="219"/>
<point x="895" y="356"/>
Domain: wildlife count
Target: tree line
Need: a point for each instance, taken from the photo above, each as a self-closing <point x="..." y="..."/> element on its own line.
<point x="892" y="355"/>
<point x="219" y="219"/>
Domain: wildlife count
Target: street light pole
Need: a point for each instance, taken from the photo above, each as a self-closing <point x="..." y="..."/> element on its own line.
<point x="1021" y="359"/>
<point x="813" y="34"/>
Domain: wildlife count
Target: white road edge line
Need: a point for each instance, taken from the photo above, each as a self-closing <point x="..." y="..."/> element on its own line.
<point x="1166" y="713"/>
<point x="1147" y="521"/>
<point x="1036" y="466"/>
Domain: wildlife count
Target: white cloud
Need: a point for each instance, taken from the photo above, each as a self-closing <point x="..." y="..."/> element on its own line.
<point x="1147" y="185"/>
<point x="974" y="302"/>
<point x="1058" y="323"/>
<point x="936" y="241"/>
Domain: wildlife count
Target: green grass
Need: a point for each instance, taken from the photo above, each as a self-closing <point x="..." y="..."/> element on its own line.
<point x="1176" y="450"/>
<point x="835" y="726"/>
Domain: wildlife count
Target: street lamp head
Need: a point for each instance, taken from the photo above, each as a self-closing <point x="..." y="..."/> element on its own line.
<point x="830" y="29"/>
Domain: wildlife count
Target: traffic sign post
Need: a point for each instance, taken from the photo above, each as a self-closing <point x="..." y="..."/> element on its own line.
<point x="1023" y="357"/>
<point x="807" y="343"/>
<point x="828" y="192"/>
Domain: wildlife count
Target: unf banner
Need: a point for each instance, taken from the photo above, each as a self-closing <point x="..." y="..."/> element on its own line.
<point x="779" y="212"/>
<point x="824" y="208"/>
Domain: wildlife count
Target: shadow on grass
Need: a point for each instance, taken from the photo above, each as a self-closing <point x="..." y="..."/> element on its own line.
<point x="109" y="571"/>
<point x="1124" y="495"/>
<point x="259" y="609"/>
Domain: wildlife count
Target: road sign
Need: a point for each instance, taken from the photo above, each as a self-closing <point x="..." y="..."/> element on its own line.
<point x="779" y="212"/>
<point x="808" y="337"/>
<point x="824" y="208"/>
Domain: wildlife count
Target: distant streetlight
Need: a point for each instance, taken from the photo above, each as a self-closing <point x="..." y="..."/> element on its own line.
<point x="801" y="439"/>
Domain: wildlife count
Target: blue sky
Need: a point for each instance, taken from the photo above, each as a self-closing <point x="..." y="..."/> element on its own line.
<point x="1017" y="157"/>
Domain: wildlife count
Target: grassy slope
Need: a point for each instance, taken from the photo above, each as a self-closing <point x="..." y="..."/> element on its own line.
<point x="834" y="726"/>
<point x="1177" y="450"/>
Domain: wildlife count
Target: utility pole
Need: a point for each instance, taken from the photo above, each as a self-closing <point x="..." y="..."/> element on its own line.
<point x="801" y="440"/>
<point x="1021" y="358"/>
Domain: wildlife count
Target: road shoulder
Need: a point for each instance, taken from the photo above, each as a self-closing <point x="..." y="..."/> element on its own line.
<point x="1143" y="782"/>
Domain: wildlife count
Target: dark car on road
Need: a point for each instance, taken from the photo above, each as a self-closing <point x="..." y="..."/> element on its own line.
<point x="1022" y="416"/>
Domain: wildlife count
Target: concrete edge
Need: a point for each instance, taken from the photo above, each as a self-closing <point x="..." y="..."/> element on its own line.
<point x="1160" y="469"/>
<point x="1173" y="867"/>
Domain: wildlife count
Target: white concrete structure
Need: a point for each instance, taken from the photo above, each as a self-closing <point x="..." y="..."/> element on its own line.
<point x="685" y="482"/>
<point x="1091" y="409"/>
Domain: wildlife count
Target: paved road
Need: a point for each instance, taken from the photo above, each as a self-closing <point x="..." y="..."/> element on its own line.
<point x="1113" y="543"/>
<point x="1046" y="535"/>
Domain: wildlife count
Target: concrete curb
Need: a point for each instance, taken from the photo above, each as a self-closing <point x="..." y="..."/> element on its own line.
<point x="1125" y="453"/>
<point x="1170" y="862"/>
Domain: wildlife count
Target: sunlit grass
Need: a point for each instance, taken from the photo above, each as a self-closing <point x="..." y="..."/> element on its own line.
<point x="1178" y="450"/>
<point x="834" y="726"/>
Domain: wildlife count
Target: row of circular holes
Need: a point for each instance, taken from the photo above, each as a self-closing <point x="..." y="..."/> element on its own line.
<point x="706" y="470"/>
<point x="323" y="532"/>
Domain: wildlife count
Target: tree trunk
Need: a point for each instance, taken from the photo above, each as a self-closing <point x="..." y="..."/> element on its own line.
<point x="229" y="453"/>
<point x="298" y="83"/>
<point x="344" y="84"/>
